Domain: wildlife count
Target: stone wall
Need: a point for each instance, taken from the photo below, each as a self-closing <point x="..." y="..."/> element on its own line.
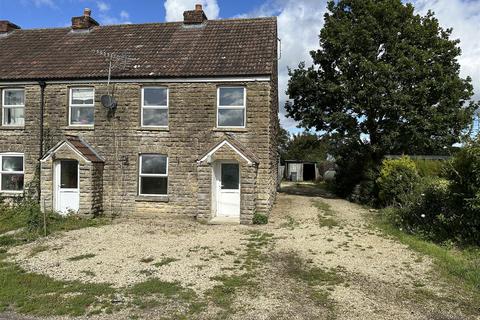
<point x="119" y="139"/>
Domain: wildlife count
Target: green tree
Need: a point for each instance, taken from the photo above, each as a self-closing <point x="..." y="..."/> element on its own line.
<point x="283" y="137"/>
<point x="384" y="79"/>
<point x="306" y="146"/>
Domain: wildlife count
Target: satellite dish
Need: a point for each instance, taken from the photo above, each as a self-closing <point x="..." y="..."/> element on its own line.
<point x="108" y="102"/>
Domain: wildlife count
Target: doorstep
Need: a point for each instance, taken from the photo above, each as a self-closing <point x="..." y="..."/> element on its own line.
<point x="224" y="220"/>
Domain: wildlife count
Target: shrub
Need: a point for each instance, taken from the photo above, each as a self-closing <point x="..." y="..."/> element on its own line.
<point x="398" y="181"/>
<point x="429" y="212"/>
<point x="463" y="171"/>
<point x="429" y="168"/>
<point x="260" y="218"/>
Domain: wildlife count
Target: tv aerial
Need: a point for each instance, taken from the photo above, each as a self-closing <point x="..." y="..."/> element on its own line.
<point x="116" y="61"/>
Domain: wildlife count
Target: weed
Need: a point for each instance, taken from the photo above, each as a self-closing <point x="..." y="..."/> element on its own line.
<point x="81" y="257"/>
<point x="147" y="260"/>
<point x="164" y="262"/>
<point x="38" y="249"/>
<point x="291" y="223"/>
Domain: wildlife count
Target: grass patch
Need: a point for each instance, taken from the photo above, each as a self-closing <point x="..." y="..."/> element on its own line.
<point x="38" y="249"/>
<point x="458" y="265"/>
<point x="297" y="268"/>
<point x="223" y="295"/>
<point x="81" y="257"/>
<point x="154" y="292"/>
<point x="164" y="262"/>
<point x="327" y="222"/>
<point x="291" y="223"/>
<point x="40" y="295"/>
<point x="325" y="217"/>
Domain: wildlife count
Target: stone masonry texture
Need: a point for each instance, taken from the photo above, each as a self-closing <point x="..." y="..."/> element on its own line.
<point x="112" y="187"/>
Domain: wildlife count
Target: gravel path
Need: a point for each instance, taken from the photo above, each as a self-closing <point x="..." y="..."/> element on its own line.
<point x="381" y="278"/>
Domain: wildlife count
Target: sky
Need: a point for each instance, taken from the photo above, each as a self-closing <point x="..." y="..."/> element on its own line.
<point x="299" y="23"/>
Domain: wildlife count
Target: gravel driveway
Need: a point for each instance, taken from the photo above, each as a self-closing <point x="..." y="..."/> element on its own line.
<point x="365" y="274"/>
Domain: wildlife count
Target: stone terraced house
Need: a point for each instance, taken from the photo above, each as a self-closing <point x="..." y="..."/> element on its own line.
<point x="141" y="119"/>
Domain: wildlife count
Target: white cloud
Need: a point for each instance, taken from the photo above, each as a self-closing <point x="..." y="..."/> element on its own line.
<point x="124" y="15"/>
<point x="103" y="6"/>
<point x="299" y="24"/>
<point x="174" y="8"/>
<point x="39" y="3"/>
<point x="464" y="17"/>
<point x="300" y="21"/>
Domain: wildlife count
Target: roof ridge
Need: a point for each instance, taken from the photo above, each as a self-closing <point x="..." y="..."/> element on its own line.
<point x="273" y="18"/>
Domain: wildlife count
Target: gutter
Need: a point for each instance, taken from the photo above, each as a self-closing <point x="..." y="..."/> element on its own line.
<point x="42" y="85"/>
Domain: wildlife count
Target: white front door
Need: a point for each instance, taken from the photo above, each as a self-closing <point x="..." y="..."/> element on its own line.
<point x="67" y="193"/>
<point x="228" y="189"/>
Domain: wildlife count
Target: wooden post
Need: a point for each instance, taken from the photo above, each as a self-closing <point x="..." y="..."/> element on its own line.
<point x="44" y="219"/>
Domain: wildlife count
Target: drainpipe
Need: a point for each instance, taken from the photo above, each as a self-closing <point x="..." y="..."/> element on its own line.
<point x="42" y="85"/>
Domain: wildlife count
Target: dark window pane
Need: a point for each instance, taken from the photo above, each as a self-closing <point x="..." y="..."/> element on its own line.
<point x="231" y="117"/>
<point x="12" y="163"/>
<point x="69" y="174"/>
<point x="155" y="97"/>
<point x="155" y="117"/>
<point x="231" y="96"/>
<point x="153" y="185"/>
<point x="14" y="98"/>
<point x="13" y="116"/>
<point x="12" y="182"/>
<point x="83" y="96"/>
<point x="230" y="176"/>
<point x="154" y="164"/>
<point x="82" y="115"/>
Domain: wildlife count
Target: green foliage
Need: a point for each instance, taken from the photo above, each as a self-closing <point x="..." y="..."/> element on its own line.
<point x="386" y="73"/>
<point x="260" y="218"/>
<point x="461" y="266"/>
<point x="429" y="168"/>
<point x="397" y="181"/>
<point x="305" y="146"/>
<point x="446" y="209"/>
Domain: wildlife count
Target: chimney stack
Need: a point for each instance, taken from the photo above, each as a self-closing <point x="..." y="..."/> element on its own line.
<point x="84" y="22"/>
<point x="196" y="16"/>
<point x="7" y="26"/>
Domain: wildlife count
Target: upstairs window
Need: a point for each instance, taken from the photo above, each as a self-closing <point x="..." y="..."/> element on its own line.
<point x="154" y="107"/>
<point x="231" y="107"/>
<point x="11" y="172"/>
<point x="153" y="175"/>
<point x="13" y="107"/>
<point x="82" y="106"/>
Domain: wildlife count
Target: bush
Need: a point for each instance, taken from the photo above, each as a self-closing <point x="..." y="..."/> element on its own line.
<point x="260" y="218"/>
<point x="429" y="168"/>
<point x="429" y="212"/>
<point x="398" y="181"/>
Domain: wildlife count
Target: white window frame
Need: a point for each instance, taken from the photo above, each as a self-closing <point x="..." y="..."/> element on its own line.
<point x="155" y="175"/>
<point x="12" y="154"/>
<point x="70" y="105"/>
<point x="5" y="106"/>
<point x="143" y="106"/>
<point x="244" y="106"/>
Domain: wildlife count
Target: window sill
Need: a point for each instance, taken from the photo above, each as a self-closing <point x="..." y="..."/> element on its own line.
<point x="90" y="128"/>
<point x="12" y="128"/>
<point x="164" y="129"/>
<point x="163" y="198"/>
<point x="18" y="194"/>
<point x="230" y="129"/>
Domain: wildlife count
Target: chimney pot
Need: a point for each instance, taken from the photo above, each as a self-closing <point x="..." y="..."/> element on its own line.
<point x="87" y="12"/>
<point x="196" y="16"/>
